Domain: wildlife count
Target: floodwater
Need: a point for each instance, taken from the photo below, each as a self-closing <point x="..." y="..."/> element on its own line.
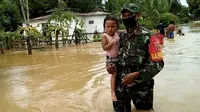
<point x="73" y="79"/>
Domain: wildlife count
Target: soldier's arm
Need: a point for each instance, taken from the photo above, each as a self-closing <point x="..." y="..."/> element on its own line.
<point x="152" y="69"/>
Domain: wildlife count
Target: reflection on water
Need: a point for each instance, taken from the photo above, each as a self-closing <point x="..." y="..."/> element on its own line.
<point x="74" y="79"/>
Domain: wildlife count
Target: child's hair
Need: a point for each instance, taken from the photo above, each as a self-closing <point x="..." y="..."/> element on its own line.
<point x="110" y="17"/>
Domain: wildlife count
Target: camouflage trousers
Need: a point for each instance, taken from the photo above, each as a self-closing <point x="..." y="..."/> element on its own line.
<point x="141" y="95"/>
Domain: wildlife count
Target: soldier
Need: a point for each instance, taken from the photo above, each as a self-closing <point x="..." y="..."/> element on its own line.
<point x="135" y="69"/>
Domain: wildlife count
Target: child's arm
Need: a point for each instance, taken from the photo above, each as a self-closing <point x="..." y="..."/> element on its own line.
<point x="106" y="45"/>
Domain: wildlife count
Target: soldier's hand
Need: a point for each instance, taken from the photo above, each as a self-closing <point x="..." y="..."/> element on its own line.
<point x="130" y="78"/>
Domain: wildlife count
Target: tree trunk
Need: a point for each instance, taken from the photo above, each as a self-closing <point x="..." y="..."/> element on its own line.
<point x="63" y="40"/>
<point x="29" y="45"/>
<point x="50" y="39"/>
<point x="76" y="37"/>
<point x="2" y="51"/>
<point x="1" y="48"/>
<point x="56" y="41"/>
<point x="7" y="43"/>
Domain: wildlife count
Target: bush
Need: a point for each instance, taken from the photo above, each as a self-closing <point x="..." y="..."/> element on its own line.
<point x="167" y="17"/>
<point x="97" y="38"/>
<point x="183" y="19"/>
<point x="147" y="24"/>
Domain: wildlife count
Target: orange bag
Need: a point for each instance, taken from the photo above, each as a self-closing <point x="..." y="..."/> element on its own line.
<point x="160" y="38"/>
<point x="155" y="49"/>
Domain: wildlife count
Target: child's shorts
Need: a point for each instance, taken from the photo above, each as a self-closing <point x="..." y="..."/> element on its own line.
<point x="171" y="35"/>
<point x="110" y="64"/>
<point x="110" y="61"/>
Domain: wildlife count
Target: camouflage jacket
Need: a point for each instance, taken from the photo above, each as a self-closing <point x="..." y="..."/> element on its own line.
<point x="134" y="56"/>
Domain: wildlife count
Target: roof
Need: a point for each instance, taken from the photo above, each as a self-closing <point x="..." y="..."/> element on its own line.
<point x="40" y="18"/>
<point x="92" y="13"/>
<point x="98" y="13"/>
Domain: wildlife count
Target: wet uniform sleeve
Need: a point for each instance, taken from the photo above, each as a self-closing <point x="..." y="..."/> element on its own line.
<point x="151" y="69"/>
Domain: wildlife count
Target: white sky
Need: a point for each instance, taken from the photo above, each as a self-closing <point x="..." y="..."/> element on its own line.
<point x="184" y="2"/>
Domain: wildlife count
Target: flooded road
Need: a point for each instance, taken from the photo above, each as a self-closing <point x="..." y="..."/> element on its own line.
<point x="74" y="79"/>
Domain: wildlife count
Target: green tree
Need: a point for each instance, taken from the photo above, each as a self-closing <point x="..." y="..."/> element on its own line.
<point x="29" y="33"/>
<point x="184" y="15"/>
<point x="175" y="6"/>
<point x="194" y="7"/>
<point x="59" y="21"/>
<point x="167" y="17"/>
<point x="37" y="7"/>
<point x="151" y="10"/>
<point x="10" y="15"/>
<point x="40" y="7"/>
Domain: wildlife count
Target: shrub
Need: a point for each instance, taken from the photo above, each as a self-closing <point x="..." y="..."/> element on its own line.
<point x="147" y="24"/>
<point x="167" y="17"/>
<point x="97" y="38"/>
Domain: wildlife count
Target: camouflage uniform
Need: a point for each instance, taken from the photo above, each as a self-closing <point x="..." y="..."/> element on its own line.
<point x="134" y="57"/>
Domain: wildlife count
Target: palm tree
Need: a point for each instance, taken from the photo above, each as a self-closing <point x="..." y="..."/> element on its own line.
<point x="11" y="37"/>
<point x="7" y="40"/>
<point x="62" y="20"/>
<point x="29" y="33"/>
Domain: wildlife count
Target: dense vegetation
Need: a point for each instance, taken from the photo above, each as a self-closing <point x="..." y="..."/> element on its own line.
<point x="151" y="10"/>
<point x="194" y="8"/>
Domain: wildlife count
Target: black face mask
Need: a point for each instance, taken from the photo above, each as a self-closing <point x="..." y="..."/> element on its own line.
<point x="129" y="22"/>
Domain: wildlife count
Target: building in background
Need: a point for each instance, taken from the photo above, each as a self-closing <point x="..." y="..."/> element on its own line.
<point x="92" y="21"/>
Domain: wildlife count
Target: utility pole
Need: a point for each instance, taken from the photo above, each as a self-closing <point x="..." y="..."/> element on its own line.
<point x="25" y="13"/>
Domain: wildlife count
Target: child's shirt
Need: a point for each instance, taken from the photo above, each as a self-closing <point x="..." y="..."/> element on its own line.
<point x="113" y="52"/>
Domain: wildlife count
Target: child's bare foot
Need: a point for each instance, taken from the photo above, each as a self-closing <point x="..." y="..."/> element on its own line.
<point x="114" y="98"/>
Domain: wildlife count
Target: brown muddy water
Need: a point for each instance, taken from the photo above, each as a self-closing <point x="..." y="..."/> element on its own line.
<point x="73" y="79"/>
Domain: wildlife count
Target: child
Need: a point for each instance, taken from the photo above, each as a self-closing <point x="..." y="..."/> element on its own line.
<point x="110" y="44"/>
